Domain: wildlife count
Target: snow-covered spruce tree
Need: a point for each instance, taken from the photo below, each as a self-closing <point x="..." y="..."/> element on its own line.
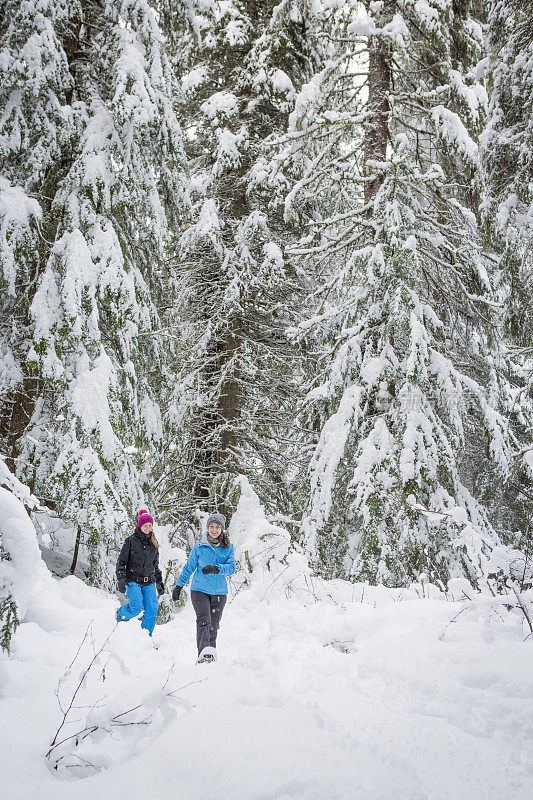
<point x="407" y="387"/>
<point x="91" y="152"/>
<point x="243" y="64"/>
<point x="507" y="153"/>
<point x="507" y="149"/>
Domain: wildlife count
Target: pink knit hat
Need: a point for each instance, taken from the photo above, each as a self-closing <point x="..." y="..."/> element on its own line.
<point x="144" y="517"/>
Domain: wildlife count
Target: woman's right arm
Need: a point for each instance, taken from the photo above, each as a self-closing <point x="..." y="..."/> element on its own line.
<point x="122" y="561"/>
<point x="189" y="568"/>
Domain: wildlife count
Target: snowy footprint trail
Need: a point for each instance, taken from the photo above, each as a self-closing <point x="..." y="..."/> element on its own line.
<point x="328" y="699"/>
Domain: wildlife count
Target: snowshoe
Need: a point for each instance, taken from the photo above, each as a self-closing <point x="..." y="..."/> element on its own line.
<point x="207" y="656"/>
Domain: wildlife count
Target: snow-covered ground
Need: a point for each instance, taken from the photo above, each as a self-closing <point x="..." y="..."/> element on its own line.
<point x="324" y="690"/>
<point x="321" y="692"/>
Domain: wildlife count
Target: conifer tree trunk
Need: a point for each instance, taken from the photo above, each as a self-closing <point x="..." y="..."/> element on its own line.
<point x="376" y="126"/>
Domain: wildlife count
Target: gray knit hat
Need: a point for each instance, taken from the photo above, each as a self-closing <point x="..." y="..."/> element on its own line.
<point x="217" y="519"/>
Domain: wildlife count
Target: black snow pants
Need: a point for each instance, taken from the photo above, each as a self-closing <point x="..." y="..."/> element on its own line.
<point x="208" y="608"/>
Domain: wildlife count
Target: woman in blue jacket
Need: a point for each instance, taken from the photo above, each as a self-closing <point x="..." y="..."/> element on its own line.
<point x="211" y="560"/>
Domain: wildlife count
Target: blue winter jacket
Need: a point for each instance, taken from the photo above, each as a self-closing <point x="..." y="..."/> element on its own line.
<point x="201" y="555"/>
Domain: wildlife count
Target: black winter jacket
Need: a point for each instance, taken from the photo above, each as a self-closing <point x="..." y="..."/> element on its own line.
<point x="138" y="561"/>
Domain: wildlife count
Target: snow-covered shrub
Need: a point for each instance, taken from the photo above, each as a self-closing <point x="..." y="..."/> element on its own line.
<point x="510" y="567"/>
<point x="20" y="559"/>
<point x="108" y="728"/>
<point x="259" y="544"/>
<point x="504" y="587"/>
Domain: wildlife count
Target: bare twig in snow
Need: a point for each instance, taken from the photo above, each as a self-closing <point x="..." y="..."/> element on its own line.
<point x="78" y="687"/>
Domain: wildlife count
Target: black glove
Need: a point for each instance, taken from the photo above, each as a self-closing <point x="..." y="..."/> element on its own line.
<point x="210" y="569"/>
<point x="176" y="591"/>
<point x="121" y="584"/>
<point x="160" y="589"/>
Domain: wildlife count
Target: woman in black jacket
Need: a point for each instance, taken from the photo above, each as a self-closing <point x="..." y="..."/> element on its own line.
<point x="138" y="574"/>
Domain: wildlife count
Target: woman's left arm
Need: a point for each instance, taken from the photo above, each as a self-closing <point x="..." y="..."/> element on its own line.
<point x="158" y="575"/>
<point x="228" y="567"/>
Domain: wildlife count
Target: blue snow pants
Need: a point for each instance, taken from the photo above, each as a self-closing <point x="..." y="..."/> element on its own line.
<point x="140" y="597"/>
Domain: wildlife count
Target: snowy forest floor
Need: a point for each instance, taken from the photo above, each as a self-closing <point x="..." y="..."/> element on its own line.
<point x="375" y="697"/>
